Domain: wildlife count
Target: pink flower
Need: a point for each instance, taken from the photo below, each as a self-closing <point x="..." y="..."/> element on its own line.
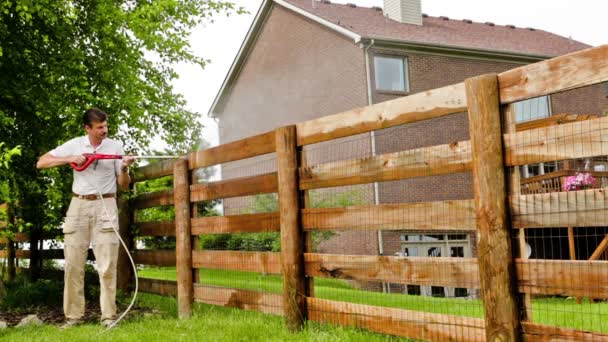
<point x="577" y="181"/>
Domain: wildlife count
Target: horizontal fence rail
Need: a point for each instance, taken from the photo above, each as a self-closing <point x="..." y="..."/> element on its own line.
<point x="246" y="223"/>
<point x="243" y="186"/>
<point x="427" y="216"/>
<point x="263" y="262"/>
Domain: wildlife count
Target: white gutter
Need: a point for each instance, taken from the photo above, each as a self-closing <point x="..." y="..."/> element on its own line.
<point x="350" y="34"/>
<point x="372" y="137"/>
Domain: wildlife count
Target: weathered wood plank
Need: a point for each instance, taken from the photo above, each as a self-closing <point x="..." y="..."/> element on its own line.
<point x="124" y="271"/>
<point x="269" y="303"/>
<point x="557" y="142"/>
<point x="153" y="199"/>
<point x="405" y="323"/>
<point x="422" y="106"/>
<point x="580" y="278"/>
<point x="292" y="237"/>
<point x="158" y="228"/>
<point x="156" y="257"/>
<point x="55" y="254"/>
<point x="183" y="238"/>
<point x="427" y="161"/>
<point x="558" y="74"/>
<point x="158" y="286"/>
<point x="443" y="216"/>
<point x="452" y="272"/>
<point x="553" y="120"/>
<point x="582" y="208"/>
<point x="247" y="223"/>
<point x="601" y="248"/>
<point x="236" y="150"/>
<point x="22" y="237"/>
<point x="496" y="268"/>
<point x="243" y="186"/>
<point x="154" y="170"/>
<point x="263" y="262"/>
<point x="534" y="332"/>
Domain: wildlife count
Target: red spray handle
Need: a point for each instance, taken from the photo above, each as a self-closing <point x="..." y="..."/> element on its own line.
<point x="91" y="157"/>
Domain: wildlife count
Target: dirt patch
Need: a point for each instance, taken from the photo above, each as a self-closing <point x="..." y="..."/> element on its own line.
<point x="54" y="316"/>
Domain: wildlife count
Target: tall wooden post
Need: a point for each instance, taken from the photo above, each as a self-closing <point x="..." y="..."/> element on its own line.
<point x="292" y="239"/>
<point x="196" y="273"/>
<point x="514" y="184"/>
<point x="496" y="267"/>
<point x="183" y="232"/>
<point x="308" y="236"/>
<point x="124" y="270"/>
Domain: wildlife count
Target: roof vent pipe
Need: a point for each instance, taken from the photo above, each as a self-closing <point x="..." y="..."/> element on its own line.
<point x="404" y="11"/>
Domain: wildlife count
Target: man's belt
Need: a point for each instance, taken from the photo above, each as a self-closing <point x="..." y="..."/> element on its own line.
<point x="93" y="197"/>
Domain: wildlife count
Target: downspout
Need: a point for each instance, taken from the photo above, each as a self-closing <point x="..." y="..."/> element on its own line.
<point x="373" y="147"/>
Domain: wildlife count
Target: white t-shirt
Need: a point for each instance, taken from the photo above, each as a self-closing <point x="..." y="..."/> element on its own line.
<point x="101" y="175"/>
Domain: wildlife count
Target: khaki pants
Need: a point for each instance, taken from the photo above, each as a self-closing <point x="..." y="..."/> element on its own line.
<point x="88" y="222"/>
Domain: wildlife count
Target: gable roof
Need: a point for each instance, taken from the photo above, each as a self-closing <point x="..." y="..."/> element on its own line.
<point x="364" y="24"/>
<point x="371" y="23"/>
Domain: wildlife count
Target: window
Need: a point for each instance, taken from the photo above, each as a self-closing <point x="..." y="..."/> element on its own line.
<point x="532" y="109"/>
<point x="391" y="73"/>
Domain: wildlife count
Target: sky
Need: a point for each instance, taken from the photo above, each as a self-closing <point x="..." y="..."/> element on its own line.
<point x="582" y="20"/>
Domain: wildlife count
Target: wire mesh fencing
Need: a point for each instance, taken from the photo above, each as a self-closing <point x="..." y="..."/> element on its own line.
<point x="392" y="227"/>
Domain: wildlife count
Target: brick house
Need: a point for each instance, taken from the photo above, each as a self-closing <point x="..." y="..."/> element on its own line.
<point x="305" y="59"/>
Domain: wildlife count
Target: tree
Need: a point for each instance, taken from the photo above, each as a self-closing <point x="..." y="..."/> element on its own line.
<point x="58" y="57"/>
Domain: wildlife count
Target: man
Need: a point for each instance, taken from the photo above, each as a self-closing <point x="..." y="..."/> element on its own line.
<point x="92" y="215"/>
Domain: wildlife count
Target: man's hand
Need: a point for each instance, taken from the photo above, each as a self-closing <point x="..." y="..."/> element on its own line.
<point x="48" y="160"/>
<point x="78" y="160"/>
<point x="126" y="162"/>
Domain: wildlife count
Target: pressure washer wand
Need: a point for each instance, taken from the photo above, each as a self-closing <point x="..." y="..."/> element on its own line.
<point x="91" y="157"/>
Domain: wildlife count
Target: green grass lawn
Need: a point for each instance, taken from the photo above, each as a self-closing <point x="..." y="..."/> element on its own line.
<point x="209" y="323"/>
<point x="552" y="311"/>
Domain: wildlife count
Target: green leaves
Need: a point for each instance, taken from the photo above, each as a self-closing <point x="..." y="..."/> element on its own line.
<point x="59" y="57"/>
<point x="6" y="154"/>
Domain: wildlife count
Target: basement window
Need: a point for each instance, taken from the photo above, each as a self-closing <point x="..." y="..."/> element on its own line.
<point x="391" y="73"/>
<point x="532" y="109"/>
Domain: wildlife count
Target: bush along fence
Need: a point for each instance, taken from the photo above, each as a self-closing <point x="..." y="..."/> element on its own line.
<point x="509" y="294"/>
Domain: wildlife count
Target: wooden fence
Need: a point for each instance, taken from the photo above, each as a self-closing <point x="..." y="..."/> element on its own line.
<point x="494" y="146"/>
<point x="495" y="216"/>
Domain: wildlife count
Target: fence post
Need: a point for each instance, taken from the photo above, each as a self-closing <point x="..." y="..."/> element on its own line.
<point x="124" y="268"/>
<point x="12" y="257"/>
<point x="183" y="243"/>
<point x="292" y="238"/>
<point x="496" y="267"/>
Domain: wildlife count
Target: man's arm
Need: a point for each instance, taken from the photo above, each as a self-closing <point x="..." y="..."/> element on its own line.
<point x="48" y="160"/>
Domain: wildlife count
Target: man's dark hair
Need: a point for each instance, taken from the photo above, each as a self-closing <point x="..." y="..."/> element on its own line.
<point x="94" y="115"/>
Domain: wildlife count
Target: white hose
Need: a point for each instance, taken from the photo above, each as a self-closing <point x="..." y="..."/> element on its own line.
<point x="124" y="245"/>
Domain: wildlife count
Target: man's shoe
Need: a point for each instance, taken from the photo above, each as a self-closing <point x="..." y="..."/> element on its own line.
<point x="108" y="323"/>
<point x="70" y="323"/>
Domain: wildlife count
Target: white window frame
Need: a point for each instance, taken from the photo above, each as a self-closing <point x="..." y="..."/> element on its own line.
<point x="522" y="117"/>
<point x="406" y="76"/>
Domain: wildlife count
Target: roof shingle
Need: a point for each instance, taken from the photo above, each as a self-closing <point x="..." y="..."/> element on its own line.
<point x="370" y="23"/>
